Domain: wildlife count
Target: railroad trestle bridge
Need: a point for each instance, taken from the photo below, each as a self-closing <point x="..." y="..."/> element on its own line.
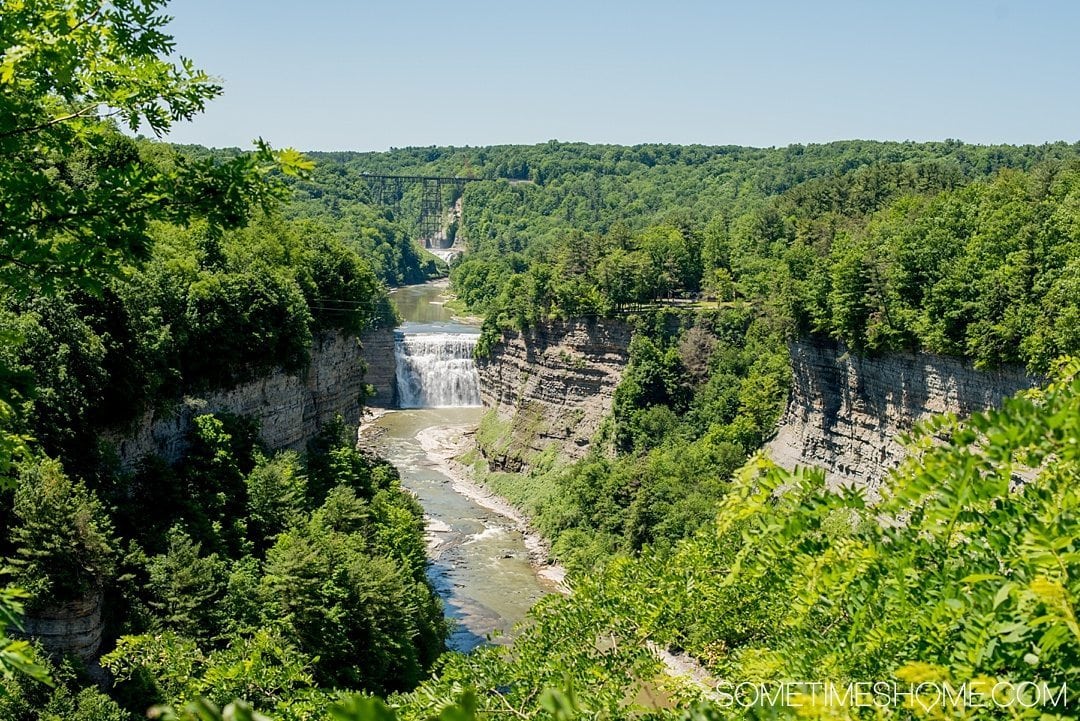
<point x="388" y="190"/>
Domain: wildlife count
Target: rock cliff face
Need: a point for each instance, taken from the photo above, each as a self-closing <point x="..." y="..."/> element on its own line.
<point x="73" y="628"/>
<point x="548" y="389"/>
<point x="845" y="414"/>
<point x="377" y="352"/>
<point x="290" y="408"/>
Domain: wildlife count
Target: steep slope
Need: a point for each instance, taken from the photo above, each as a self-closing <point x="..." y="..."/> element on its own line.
<point x="846" y="414"/>
<point x="548" y="389"/>
<point x="290" y="408"/>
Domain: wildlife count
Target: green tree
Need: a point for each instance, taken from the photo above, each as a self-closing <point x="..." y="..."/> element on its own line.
<point x="62" y="536"/>
<point x="78" y="196"/>
<point x="672" y="264"/>
<point x="262" y="669"/>
<point x="185" y="586"/>
<point x="277" y="496"/>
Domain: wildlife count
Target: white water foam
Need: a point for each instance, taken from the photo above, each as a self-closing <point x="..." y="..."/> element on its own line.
<point x="436" y="370"/>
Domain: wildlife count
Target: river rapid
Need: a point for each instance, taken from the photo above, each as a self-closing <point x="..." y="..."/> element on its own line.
<point x="480" y="558"/>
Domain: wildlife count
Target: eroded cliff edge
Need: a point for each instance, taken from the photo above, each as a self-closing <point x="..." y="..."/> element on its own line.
<point x="846" y="414"/>
<point x="290" y="408"/>
<point x="548" y="389"/>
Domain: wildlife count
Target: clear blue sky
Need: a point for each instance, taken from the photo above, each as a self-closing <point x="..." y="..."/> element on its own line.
<point x="367" y="75"/>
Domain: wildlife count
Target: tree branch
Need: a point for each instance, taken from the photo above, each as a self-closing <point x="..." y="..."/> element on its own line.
<point x="4" y="258"/>
<point x="90" y="17"/>
<point x="50" y="123"/>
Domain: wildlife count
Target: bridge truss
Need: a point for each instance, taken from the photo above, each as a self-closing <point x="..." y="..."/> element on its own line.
<point x="388" y="190"/>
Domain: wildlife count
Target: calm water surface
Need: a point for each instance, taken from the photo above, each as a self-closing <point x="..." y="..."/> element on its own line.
<point x="421" y="307"/>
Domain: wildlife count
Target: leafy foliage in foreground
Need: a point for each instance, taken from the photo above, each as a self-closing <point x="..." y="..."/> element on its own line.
<point x="272" y="579"/>
<point x="961" y="574"/>
<point x="16" y="657"/>
<point x="78" y="199"/>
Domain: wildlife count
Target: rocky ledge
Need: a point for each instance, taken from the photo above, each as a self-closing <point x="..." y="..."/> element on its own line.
<point x="846" y="414"/>
<point x="548" y="389"/>
<point x="290" y="408"/>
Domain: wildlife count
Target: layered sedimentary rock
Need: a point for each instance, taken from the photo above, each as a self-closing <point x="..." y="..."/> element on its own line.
<point x="73" y="628"/>
<point x="846" y="414"/>
<point x="290" y="408"/>
<point x="377" y="352"/>
<point x="549" y="388"/>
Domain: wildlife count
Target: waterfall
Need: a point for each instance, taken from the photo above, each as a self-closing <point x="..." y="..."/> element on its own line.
<point x="436" y="370"/>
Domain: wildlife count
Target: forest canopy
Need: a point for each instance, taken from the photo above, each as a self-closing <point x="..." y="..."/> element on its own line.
<point x="134" y="272"/>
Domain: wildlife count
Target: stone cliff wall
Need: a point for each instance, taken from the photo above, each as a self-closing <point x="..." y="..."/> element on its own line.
<point x="548" y="388"/>
<point x="845" y="414"/>
<point x="377" y="352"/>
<point x="73" y="628"/>
<point x="290" y="408"/>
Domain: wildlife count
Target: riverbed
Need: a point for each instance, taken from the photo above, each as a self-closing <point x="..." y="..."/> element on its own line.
<point x="481" y="559"/>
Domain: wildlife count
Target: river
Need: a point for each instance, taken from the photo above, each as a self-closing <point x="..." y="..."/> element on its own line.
<point x="480" y="563"/>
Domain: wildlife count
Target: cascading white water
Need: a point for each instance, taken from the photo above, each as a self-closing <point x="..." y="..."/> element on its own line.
<point x="436" y="370"/>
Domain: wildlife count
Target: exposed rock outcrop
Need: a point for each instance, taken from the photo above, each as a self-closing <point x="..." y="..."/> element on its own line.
<point x="73" y="628"/>
<point x="290" y="408"/>
<point x="377" y="352"/>
<point x="548" y="389"/>
<point x="845" y="414"/>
